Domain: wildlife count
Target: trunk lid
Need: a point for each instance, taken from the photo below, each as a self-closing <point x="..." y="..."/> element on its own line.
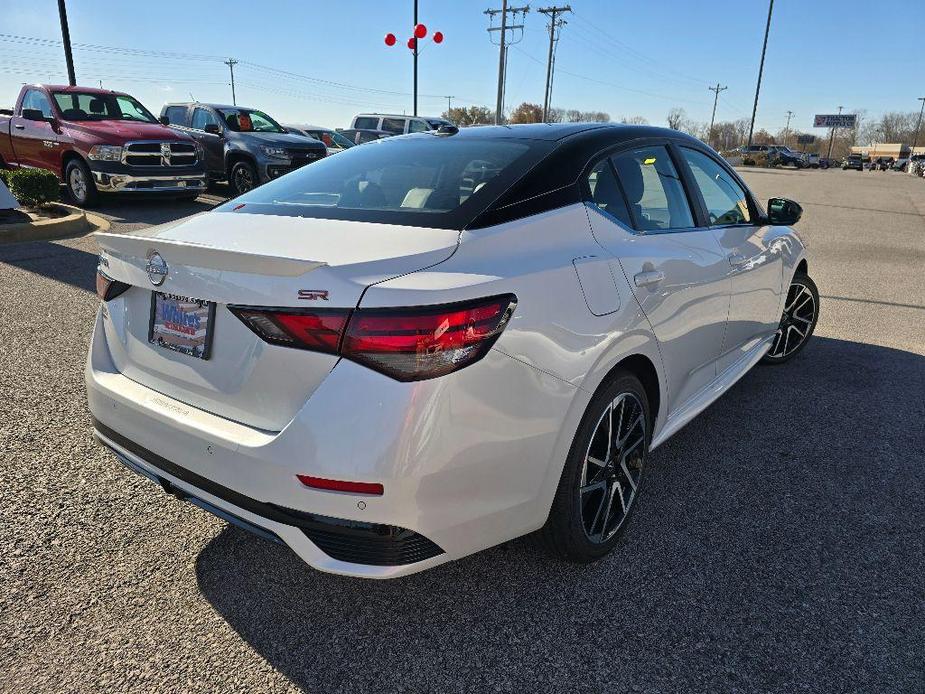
<point x="251" y="260"/>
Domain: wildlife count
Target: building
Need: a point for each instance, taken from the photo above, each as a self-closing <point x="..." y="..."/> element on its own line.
<point x="879" y="149"/>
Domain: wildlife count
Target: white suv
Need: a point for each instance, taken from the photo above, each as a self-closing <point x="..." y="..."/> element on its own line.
<point x="397" y="124"/>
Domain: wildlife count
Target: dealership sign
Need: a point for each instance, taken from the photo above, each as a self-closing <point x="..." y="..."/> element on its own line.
<point x="806" y="139"/>
<point x="835" y="120"/>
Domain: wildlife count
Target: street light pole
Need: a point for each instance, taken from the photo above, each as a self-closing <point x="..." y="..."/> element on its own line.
<point x="915" y="138"/>
<point x="415" y="52"/>
<point x="764" y="48"/>
<point x="500" y="102"/>
<point x="66" y="38"/>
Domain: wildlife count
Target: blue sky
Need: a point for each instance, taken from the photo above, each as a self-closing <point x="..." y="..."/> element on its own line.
<point x="621" y="56"/>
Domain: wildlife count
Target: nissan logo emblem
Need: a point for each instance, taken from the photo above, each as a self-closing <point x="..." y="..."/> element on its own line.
<point x="156" y="267"/>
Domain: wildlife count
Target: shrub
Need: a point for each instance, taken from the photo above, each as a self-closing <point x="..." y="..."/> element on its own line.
<point x="32" y="187"/>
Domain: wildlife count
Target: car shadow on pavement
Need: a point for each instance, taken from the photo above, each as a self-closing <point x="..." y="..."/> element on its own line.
<point x="56" y="261"/>
<point x="145" y="211"/>
<point x="776" y="544"/>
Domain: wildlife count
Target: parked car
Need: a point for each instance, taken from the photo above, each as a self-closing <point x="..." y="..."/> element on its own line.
<point x="900" y="164"/>
<point x="853" y="161"/>
<point x="416" y="350"/>
<point x="811" y="160"/>
<point x="914" y="161"/>
<point x="334" y="141"/>
<point x="395" y="124"/>
<point x="98" y="141"/>
<point x="779" y="155"/>
<point x="242" y="145"/>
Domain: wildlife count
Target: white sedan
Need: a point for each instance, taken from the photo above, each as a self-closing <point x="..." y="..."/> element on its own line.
<point x="435" y="343"/>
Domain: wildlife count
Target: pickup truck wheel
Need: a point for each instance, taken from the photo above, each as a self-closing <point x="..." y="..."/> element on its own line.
<point x="79" y="183"/>
<point x="243" y="177"/>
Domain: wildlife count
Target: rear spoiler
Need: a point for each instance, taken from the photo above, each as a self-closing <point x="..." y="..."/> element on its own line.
<point x="138" y="246"/>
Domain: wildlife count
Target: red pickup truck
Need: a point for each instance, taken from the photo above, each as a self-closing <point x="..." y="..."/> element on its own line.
<point x="97" y="140"/>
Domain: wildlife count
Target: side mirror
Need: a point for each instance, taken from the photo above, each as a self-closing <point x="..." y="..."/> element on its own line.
<point x="33" y="114"/>
<point x="213" y="129"/>
<point x="784" y="212"/>
<point x="163" y="120"/>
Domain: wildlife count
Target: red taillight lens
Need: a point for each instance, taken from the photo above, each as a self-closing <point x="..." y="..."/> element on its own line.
<point x="408" y="344"/>
<point x="341" y="485"/>
<point x="108" y="288"/>
<point x="319" y="330"/>
<point x="412" y="344"/>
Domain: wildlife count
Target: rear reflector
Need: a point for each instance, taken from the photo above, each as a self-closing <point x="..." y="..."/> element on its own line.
<point x="108" y="288"/>
<point x="408" y="344"/>
<point x="341" y="486"/>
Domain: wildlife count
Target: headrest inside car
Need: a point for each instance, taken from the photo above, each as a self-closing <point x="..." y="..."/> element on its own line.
<point x="97" y="106"/>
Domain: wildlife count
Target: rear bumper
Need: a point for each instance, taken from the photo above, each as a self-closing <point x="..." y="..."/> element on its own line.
<point x="467" y="461"/>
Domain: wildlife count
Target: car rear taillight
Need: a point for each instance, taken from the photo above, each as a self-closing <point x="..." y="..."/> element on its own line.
<point x="408" y="344"/>
<point x="107" y="288"/>
<point x="341" y="486"/>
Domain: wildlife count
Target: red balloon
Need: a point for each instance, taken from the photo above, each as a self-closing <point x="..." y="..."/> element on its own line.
<point x="438" y="37"/>
<point x="390" y="39"/>
<point x="420" y="31"/>
<point x="412" y="43"/>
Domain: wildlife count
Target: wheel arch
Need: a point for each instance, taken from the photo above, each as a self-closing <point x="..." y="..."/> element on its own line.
<point x="66" y="158"/>
<point x="643" y="368"/>
<point x="236" y="155"/>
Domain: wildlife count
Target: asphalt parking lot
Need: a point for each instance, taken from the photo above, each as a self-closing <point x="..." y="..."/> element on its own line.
<point x="778" y="546"/>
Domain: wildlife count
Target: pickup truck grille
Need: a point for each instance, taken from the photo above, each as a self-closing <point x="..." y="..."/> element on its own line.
<point x="159" y="154"/>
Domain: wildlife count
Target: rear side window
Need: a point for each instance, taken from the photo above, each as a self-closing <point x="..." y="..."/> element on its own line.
<point x="653" y="189"/>
<point x="440" y="182"/>
<point x="605" y="193"/>
<point x="366" y="123"/>
<point x="393" y="125"/>
<point x="176" y="115"/>
<point x="418" y="126"/>
<point x="725" y="199"/>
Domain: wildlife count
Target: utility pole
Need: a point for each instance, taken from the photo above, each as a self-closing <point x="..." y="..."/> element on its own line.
<point x="231" y="62"/>
<point x="415" y="53"/>
<point x="66" y="38"/>
<point x="789" y="116"/>
<point x="717" y="89"/>
<point x="764" y="48"/>
<point x="554" y="24"/>
<point x="915" y="138"/>
<point x="502" y="55"/>
<point x="449" y="102"/>
<point x="832" y="136"/>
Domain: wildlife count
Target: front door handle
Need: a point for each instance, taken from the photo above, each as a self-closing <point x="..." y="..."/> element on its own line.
<point x="20" y="127"/>
<point x="737" y="260"/>
<point x="648" y="279"/>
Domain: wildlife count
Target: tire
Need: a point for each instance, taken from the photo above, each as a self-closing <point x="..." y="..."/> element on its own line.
<point x="78" y="181"/>
<point x="799" y="314"/>
<point x="577" y="508"/>
<point x="242" y="178"/>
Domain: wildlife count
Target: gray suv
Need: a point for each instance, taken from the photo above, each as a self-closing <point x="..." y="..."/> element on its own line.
<point x="242" y="145"/>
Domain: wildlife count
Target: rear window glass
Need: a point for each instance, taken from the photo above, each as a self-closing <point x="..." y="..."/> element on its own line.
<point x="420" y="181"/>
<point x="366" y="123"/>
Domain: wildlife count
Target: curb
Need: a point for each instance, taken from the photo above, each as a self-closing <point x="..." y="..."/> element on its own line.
<point x="77" y="223"/>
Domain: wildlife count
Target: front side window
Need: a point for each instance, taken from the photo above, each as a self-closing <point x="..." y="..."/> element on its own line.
<point x="81" y="106"/>
<point x="203" y="117"/>
<point x="393" y="125"/>
<point x="605" y="193"/>
<point x="422" y="182"/>
<point x="653" y="189"/>
<point x="244" y="120"/>
<point x="37" y="100"/>
<point x="726" y="200"/>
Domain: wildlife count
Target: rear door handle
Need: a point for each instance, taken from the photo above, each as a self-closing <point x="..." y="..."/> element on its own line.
<point x="648" y="279"/>
<point x="20" y="127"/>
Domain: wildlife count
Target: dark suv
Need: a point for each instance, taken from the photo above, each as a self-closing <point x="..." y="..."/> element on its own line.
<point x="853" y="161"/>
<point x="242" y="145"/>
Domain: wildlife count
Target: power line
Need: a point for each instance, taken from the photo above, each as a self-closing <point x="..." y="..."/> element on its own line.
<point x="554" y="24"/>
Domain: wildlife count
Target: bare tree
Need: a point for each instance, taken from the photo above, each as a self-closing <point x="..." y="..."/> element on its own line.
<point x="634" y="120"/>
<point x="676" y="118"/>
<point x="470" y="115"/>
